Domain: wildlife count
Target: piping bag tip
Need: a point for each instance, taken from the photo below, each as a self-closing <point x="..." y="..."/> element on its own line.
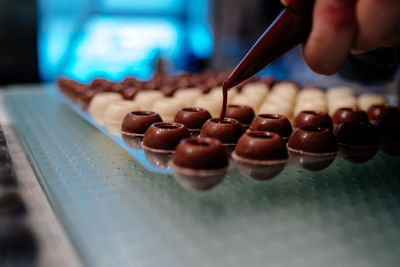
<point x="289" y="29"/>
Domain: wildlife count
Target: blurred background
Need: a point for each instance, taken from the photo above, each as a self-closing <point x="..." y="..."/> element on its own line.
<point x="82" y="39"/>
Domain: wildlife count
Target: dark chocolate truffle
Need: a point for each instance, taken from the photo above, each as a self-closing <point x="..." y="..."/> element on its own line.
<point x="358" y="142"/>
<point x="228" y="131"/>
<point x="349" y="114"/>
<point x="244" y="114"/>
<point x="192" y="118"/>
<point x="272" y="123"/>
<point x="312" y="148"/>
<point x="313" y="118"/>
<point x="129" y="93"/>
<point x="200" y="153"/>
<point x="260" y="155"/>
<point x="200" y="163"/>
<point x="164" y="136"/>
<point x="313" y="140"/>
<point x="259" y="145"/>
<point x="377" y="112"/>
<point x="137" y="122"/>
<point x="389" y="130"/>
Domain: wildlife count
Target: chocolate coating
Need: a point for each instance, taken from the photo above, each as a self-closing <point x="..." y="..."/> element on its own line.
<point x="377" y="112"/>
<point x="389" y="129"/>
<point x="313" y="140"/>
<point x="244" y="114"/>
<point x="258" y="145"/>
<point x="192" y="118"/>
<point x="200" y="153"/>
<point x="358" y="142"/>
<point x="164" y="135"/>
<point x="349" y="114"/>
<point x="313" y="118"/>
<point x="272" y="123"/>
<point x="228" y="131"/>
<point x="357" y="134"/>
<point x="137" y="122"/>
<point x="129" y="93"/>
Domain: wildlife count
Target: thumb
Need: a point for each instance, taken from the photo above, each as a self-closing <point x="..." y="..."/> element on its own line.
<point x="285" y="2"/>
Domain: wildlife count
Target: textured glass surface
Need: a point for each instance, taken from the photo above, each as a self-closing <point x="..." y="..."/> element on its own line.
<point x="119" y="214"/>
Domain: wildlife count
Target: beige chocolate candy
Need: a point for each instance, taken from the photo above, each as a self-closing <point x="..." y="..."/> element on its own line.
<point x="213" y="105"/>
<point x="257" y="89"/>
<point x="273" y="108"/>
<point x="99" y="104"/>
<point x="188" y="96"/>
<point x="146" y="98"/>
<point x="285" y="89"/>
<point x="167" y="108"/>
<point x="242" y="99"/>
<point x="366" y="100"/>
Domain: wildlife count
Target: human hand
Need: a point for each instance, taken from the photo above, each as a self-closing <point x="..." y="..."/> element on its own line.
<point x="343" y="26"/>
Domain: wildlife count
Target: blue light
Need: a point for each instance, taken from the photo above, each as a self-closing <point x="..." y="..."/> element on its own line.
<point x="161" y="6"/>
<point x="115" y="38"/>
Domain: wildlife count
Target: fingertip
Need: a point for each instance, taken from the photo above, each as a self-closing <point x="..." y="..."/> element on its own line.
<point x="331" y="38"/>
<point x="284" y="2"/>
<point x="319" y="63"/>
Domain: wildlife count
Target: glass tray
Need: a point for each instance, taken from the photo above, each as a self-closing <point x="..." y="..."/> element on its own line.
<point x="118" y="213"/>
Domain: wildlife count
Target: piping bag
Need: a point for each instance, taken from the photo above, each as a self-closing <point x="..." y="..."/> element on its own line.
<point x="289" y="29"/>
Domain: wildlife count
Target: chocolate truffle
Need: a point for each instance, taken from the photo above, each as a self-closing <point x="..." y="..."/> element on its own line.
<point x="167" y="108"/>
<point x="377" y="112"/>
<point x="358" y="142"/>
<point x="99" y="104"/>
<point x="164" y="136"/>
<point x="192" y="118"/>
<point x="389" y="130"/>
<point x="313" y="118"/>
<point x="200" y="163"/>
<point x="129" y="93"/>
<point x="137" y="122"/>
<point x="272" y="123"/>
<point x="260" y="155"/>
<point x="244" y="114"/>
<point x="349" y="114"/>
<point x="228" y="131"/>
<point x="312" y="148"/>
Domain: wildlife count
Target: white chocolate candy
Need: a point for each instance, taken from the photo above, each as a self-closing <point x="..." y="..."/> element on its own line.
<point x="313" y="106"/>
<point x="216" y="93"/>
<point x="345" y="102"/>
<point x="115" y="113"/>
<point x="211" y="104"/>
<point x="268" y="108"/>
<point x="99" y="103"/>
<point x="146" y="99"/>
<point x="285" y="88"/>
<point x="253" y="102"/>
<point x="338" y="92"/>
<point x="188" y="96"/>
<point x="366" y="100"/>
<point x="255" y="89"/>
<point x="310" y="94"/>
<point x="277" y="98"/>
<point x="167" y="108"/>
